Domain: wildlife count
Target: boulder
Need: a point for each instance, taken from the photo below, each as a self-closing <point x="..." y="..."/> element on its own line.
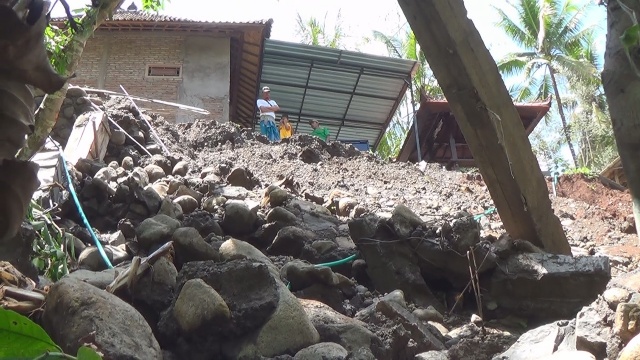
<point x="91" y="259"/>
<point x="241" y="177"/>
<point x="181" y="169"/>
<point x="542" y="285"/>
<point x="432" y="355"/>
<point x="615" y="296"/>
<point x="278" y="197"/>
<point x="387" y="256"/>
<point x="154" y="172"/>
<point x="302" y="275"/>
<point x="156" y="288"/>
<point x="156" y="230"/>
<point x="190" y="246"/>
<point x="350" y="333"/>
<point x="238" y="220"/>
<point x="282" y="215"/>
<point x="542" y="341"/>
<point x="569" y="355"/>
<point x="187" y="203"/>
<point x="288" y="330"/>
<point x="199" y="305"/>
<point x="593" y="332"/>
<point x="632" y="350"/>
<point x="627" y="321"/>
<point x="290" y="241"/>
<point x="414" y="338"/>
<point x="204" y="222"/>
<point x="99" y="279"/>
<point x="170" y="209"/>
<point x="404" y="221"/>
<point x="247" y="287"/>
<point x="322" y="351"/>
<point x="75" y="309"/>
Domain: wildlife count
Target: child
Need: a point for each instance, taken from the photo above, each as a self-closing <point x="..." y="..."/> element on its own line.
<point x="286" y="130"/>
<point x="319" y="131"/>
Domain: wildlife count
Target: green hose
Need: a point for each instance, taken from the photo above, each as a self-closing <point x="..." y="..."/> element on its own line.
<point x="337" y="262"/>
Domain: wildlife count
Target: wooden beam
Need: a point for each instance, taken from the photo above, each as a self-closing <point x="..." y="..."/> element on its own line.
<point x="488" y="119"/>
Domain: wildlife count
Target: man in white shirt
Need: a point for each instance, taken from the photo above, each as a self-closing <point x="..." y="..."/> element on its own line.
<point x="268" y="110"/>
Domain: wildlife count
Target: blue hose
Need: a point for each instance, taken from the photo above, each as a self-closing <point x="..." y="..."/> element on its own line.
<point x="82" y="215"/>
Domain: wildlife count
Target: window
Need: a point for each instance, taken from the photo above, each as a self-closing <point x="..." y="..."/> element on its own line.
<point x="164" y="71"/>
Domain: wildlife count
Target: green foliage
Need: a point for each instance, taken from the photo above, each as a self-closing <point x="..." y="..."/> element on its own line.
<point x="50" y="256"/>
<point x="153" y="5"/>
<point x="314" y="32"/>
<point x="631" y="37"/>
<point x="21" y="338"/>
<point x="582" y="171"/>
<point x="56" y="40"/>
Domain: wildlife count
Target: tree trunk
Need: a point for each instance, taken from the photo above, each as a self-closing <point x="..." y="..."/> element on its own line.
<point x="621" y="84"/>
<point x="565" y="126"/>
<point x="47" y="117"/>
<point x="488" y="120"/>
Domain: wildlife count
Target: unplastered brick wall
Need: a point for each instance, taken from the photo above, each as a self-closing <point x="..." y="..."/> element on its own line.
<point x="111" y="59"/>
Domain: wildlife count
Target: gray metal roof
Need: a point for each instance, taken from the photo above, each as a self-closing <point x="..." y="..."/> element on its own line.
<point x="353" y="94"/>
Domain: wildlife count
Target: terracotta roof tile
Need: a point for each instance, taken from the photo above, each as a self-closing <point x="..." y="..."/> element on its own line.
<point x="147" y="16"/>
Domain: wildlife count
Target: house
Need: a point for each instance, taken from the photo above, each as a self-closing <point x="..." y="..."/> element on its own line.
<point x="441" y="139"/>
<point x="211" y="65"/>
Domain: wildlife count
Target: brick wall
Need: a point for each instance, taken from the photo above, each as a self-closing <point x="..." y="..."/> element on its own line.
<point x="111" y="59"/>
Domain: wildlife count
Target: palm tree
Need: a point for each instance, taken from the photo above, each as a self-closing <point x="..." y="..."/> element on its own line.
<point x="406" y="46"/>
<point x="313" y="32"/>
<point x="556" y="51"/>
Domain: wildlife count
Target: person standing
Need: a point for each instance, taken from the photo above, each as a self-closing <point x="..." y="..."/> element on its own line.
<point x="319" y="131"/>
<point x="268" y="110"/>
<point x="286" y="130"/>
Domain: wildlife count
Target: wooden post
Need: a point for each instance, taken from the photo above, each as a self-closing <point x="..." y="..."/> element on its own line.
<point x="488" y="119"/>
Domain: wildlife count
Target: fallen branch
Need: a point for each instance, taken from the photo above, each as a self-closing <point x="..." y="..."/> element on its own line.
<point x="154" y="101"/>
<point x="136" y="270"/>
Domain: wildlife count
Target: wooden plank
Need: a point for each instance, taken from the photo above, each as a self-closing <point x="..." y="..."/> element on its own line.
<point x="488" y="119"/>
<point x="87" y="142"/>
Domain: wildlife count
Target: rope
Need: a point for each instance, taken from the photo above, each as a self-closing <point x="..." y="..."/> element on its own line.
<point x="81" y="212"/>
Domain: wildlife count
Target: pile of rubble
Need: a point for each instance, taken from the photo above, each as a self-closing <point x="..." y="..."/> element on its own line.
<point x="247" y="264"/>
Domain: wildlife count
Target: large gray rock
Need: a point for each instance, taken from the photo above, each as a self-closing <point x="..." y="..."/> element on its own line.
<point x="432" y="355"/>
<point x="404" y="221"/>
<point x="99" y="279"/>
<point x="190" y="246"/>
<point x="302" y="275"/>
<point x="75" y="309"/>
<point x="156" y="230"/>
<point x="198" y="305"/>
<point x="350" y="333"/>
<point x="156" y="288"/>
<point x="391" y="264"/>
<point x="542" y="341"/>
<point x="412" y="337"/>
<point x="241" y="177"/>
<point x="247" y="287"/>
<point x="541" y="285"/>
<point x="322" y="351"/>
<point x="288" y="330"/>
<point x="91" y="259"/>
<point x="238" y="219"/>
<point x="593" y="331"/>
<point x="290" y="241"/>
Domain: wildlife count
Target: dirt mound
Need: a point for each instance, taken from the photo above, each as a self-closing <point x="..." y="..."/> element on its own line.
<point x="612" y="203"/>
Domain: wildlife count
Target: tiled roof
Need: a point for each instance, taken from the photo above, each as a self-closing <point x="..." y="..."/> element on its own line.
<point x="147" y="16"/>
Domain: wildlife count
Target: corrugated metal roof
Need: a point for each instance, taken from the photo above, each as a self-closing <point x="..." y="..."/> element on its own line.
<point x="354" y="94"/>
